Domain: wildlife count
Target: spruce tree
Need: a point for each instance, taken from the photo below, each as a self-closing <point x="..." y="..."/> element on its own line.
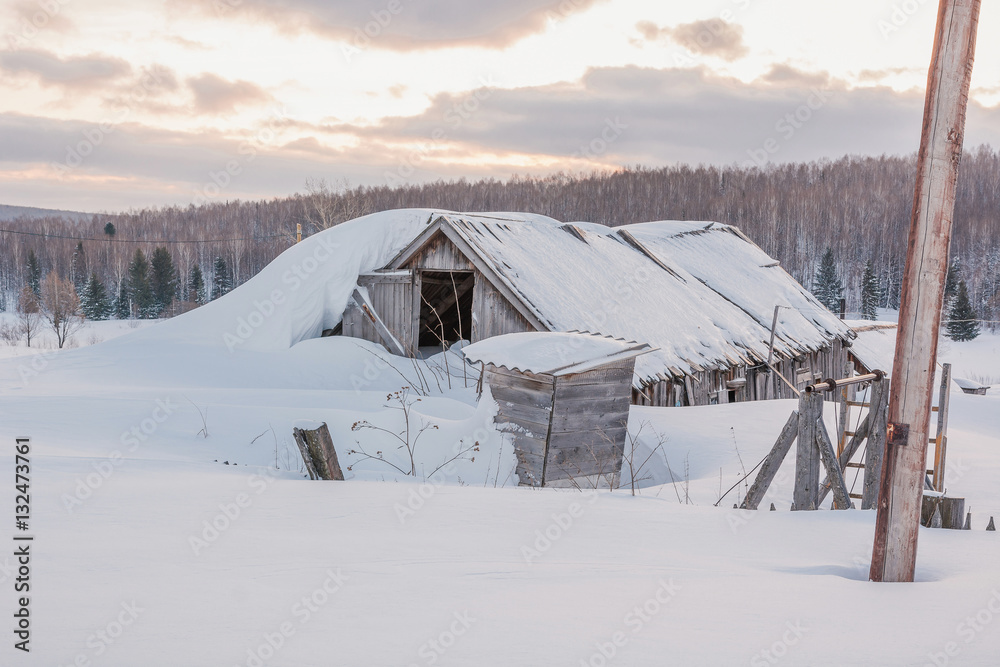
<point x="78" y="269"/>
<point x="95" y="303"/>
<point x="123" y="305"/>
<point x="109" y="230"/>
<point x="140" y="287"/>
<point x="163" y="280"/>
<point x="963" y="324"/>
<point x="222" y="281"/>
<point x="870" y="293"/>
<point x="827" y="287"/>
<point x="951" y="283"/>
<point x="196" y="285"/>
<point x="33" y="276"/>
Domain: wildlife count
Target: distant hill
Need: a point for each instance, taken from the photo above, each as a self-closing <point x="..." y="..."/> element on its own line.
<point x="11" y="212"/>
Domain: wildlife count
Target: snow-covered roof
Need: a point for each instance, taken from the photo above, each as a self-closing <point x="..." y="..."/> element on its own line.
<point x="700" y="292"/>
<point x="969" y="384"/>
<point x="875" y="345"/>
<point x="552" y="353"/>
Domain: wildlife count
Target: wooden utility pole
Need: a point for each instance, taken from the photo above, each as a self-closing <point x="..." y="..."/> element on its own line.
<point x="894" y="554"/>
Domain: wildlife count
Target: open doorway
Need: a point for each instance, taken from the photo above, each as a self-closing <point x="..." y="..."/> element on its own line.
<point x="445" y="307"/>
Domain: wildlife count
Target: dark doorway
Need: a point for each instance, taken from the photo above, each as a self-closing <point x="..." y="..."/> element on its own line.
<point x="445" y="307"/>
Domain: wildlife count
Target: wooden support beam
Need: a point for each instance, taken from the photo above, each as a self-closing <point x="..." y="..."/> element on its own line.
<point x="845" y="456"/>
<point x="769" y="468"/>
<point x="841" y="499"/>
<point x="807" y="462"/>
<point x="368" y="309"/>
<point x="875" y="450"/>
<point x="894" y="549"/>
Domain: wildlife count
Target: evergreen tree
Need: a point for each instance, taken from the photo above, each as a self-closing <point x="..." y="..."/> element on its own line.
<point x="163" y="280"/>
<point x="110" y="230"/>
<point x="95" y="304"/>
<point x="963" y="323"/>
<point x="123" y="305"/>
<point x="33" y="277"/>
<point x="222" y="281"/>
<point x="870" y="293"/>
<point x="78" y="269"/>
<point x="951" y="283"/>
<point x="196" y="285"/>
<point x="827" y="287"/>
<point x="140" y="287"/>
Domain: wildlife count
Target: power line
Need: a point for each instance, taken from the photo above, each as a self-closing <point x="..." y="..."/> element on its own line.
<point x="154" y="241"/>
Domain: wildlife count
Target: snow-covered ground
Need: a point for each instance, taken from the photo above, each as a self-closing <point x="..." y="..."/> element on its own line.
<point x="150" y="550"/>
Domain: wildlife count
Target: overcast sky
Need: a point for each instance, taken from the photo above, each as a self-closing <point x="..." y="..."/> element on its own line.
<point x="111" y="104"/>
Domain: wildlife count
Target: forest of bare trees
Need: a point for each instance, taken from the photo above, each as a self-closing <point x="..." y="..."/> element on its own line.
<point x="857" y="206"/>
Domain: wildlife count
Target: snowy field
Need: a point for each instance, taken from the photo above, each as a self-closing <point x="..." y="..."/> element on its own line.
<point x="150" y="550"/>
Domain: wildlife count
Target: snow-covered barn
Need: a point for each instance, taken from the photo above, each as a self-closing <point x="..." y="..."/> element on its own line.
<point x="700" y="292"/>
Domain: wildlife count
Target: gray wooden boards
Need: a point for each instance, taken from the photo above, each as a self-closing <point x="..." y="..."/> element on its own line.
<point x="318" y="453"/>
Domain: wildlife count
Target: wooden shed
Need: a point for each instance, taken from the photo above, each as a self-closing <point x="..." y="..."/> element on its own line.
<point x="701" y="293"/>
<point x="564" y="399"/>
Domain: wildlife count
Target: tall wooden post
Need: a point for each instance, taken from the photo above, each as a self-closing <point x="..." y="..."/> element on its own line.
<point x="298" y="232"/>
<point x="941" y="439"/>
<point x="894" y="553"/>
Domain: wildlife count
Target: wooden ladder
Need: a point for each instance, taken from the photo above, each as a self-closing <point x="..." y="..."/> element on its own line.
<point x="935" y="474"/>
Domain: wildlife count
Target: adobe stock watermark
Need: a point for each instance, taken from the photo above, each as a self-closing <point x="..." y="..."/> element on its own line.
<point x="433" y="649"/>
<point x="419" y="494"/>
<point x="219" y="181"/>
<point x="302" y="611"/>
<point x="773" y="654"/>
<point x="788" y="125"/>
<point x="94" y="136"/>
<point x="457" y="114"/>
<point x="99" y="641"/>
<point x="34" y="22"/>
<point x="968" y="630"/>
<point x="130" y="440"/>
<point x="34" y="368"/>
<point x="561" y="523"/>
<point x="899" y="16"/>
<point x="599" y="145"/>
<point x="363" y="35"/>
<point x="229" y="513"/>
<point x="634" y="621"/>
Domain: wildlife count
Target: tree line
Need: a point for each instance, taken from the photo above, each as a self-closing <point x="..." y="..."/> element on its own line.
<point x="856" y="207"/>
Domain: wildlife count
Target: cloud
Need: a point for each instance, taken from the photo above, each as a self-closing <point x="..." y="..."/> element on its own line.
<point x="678" y="115"/>
<point x="612" y="117"/>
<point x="711" y="37"/>
<point x="213" y="94"/>
<point x="786" y="75"/>
<point x="400" y="24"/>
<point x="32" y="16"/>
<point x="75" y="72"/>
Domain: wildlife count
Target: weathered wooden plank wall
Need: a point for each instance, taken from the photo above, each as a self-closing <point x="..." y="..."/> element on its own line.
<point x="709" y="387"/>
<point x="524" y="403"/>
<point x="589" y="422"/>
<point x="493" y="314"/>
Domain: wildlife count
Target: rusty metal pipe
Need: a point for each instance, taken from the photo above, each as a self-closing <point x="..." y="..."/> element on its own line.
<point x="833" y="385"/>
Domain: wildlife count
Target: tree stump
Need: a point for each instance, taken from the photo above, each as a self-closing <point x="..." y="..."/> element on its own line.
<point x="318" y="453"/>
<point x="952" y="511"/>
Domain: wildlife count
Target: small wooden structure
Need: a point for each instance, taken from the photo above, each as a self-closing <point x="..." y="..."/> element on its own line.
<point x="564" y="398"/>
<point x="970" y="387"/>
